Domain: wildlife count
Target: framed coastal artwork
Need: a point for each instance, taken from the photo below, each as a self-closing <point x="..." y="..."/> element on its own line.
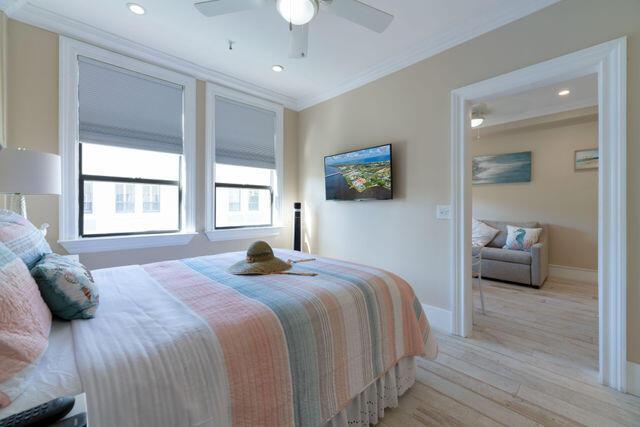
<point x="587" y="159"/>
<point x="502" y="168"/>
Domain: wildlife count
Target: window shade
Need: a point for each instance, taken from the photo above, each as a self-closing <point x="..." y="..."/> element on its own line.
<point x="124" y="108"/>
<point x="245" y="135"/>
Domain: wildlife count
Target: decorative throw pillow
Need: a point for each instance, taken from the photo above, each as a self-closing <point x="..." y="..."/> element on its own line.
<point x="22" y="238"/>
<point x="520" y="238"/>
<point x="25" y="322"/>
<point x="481" y="233"/>
<point x="66" y="286"/>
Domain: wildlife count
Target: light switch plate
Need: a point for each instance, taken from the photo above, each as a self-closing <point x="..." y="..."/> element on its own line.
<point x="443" y="212"/>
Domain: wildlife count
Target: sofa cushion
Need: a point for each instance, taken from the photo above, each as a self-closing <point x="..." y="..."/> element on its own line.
<point x="507" y="255"/>
<point x="501" y="238"/>
<point x="481" y="233"/>
<point x="521" y="239"/>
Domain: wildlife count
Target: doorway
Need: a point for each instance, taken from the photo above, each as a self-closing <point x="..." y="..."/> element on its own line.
<point x="608" y="62"/>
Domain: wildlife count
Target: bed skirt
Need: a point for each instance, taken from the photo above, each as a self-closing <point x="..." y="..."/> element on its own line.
<point x="368" y="407"/>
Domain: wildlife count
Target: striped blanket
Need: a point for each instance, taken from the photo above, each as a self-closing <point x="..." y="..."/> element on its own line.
<point x="291" y="350"/>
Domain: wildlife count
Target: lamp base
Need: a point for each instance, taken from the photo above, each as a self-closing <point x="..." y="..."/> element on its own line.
<point x="17" y="203"/>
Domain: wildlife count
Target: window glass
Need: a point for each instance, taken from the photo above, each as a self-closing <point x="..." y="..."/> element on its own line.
<point x="125" y="198"/>
<point x="119" y="208"/>
<point x="104" y="160"/>
<point x="244" y="175"/>
<point x="151" y="198"/>
<point x="234" y="207"/>
<point x="88" y="198"/>
<point x="243" y="196"/>
<point x="254" y="200"/>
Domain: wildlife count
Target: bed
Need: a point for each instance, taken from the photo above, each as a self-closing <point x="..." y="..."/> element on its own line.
<point x="184" y="343"/>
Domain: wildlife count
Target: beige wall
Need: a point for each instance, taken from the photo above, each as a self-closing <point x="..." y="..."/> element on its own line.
<point x="32" y="98"/>
<point x="3" y="74"/>
<point x="564" y="199"/>
<point x="411" y="109"/>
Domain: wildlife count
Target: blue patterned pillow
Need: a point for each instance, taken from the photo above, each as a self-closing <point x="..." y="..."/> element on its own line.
<point x="66" y="286"/>
<point x="22" y="238"/>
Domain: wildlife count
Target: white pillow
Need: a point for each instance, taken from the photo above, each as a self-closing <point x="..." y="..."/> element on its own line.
<point x="520" y="238"/>
<point x="481" y="233"/>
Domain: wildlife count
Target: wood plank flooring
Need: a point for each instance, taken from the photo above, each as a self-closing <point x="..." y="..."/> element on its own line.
<point x="532" y="361"/>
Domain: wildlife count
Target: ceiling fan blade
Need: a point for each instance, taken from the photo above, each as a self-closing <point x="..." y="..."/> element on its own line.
<point x="360" y="13"/>
<point x="223" y="7"/>
<point x="299" y="43"/>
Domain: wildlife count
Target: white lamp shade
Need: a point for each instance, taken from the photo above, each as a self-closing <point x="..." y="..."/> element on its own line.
<point x="29" y="172"/>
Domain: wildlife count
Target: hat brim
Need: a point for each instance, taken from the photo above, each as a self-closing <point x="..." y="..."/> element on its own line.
<point x="274" y="265"/>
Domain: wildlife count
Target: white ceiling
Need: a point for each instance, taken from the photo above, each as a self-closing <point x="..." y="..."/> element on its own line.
<point x="542" y="101"/>
<point x="342" y="55"/>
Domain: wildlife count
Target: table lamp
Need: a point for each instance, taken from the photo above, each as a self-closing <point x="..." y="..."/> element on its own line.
<point x="26" y="172"/>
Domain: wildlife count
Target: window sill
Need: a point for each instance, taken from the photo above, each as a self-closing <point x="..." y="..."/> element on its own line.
<point x="243" y="233"/>
<point x="116" y="243"/>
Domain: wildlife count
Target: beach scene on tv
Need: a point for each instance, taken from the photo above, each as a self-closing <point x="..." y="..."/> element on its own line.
<point x="359" y="175"/>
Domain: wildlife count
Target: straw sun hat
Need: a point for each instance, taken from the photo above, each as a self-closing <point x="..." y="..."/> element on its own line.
<point x="259" y="260"/>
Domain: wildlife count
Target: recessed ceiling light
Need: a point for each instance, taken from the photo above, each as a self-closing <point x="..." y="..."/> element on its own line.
<point x="564" y="92"/>
<point x="278" y="68"/>
<point x="136" y="8"/>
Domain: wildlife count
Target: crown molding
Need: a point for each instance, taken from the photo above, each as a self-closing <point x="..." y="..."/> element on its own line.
<point x="428" y="48"/>
<point x="22" y="10"/>
<point x="10" y="6"/>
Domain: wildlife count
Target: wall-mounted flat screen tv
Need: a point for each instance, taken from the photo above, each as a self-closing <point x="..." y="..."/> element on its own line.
<point x="359" y="175"/>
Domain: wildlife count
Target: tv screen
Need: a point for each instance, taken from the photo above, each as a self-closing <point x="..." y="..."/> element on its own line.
<point x="359" y="175"/>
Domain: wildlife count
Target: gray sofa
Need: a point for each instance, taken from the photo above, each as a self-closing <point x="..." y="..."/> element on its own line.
<point x="525" y="267"/>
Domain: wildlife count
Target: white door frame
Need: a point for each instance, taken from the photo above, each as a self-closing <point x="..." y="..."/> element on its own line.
<point x="609" y="62"/>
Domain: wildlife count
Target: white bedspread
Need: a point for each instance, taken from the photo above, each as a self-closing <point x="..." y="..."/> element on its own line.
<point x="144" y="339"/>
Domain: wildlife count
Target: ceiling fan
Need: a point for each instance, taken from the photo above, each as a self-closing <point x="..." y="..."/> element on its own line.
<point x="298" y="13"/>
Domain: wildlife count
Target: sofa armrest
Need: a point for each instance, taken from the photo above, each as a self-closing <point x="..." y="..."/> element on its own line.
<point x="540" y="260"/>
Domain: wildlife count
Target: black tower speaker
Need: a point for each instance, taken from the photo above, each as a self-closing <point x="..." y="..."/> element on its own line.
<point x="297" y="206"/>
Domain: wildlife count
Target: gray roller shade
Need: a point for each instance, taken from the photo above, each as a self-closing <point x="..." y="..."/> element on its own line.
<point x="123" y="108"/>
<point x="245" y="135"/>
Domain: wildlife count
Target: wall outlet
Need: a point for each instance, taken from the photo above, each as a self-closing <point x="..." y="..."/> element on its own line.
<point x="443" y="212"/>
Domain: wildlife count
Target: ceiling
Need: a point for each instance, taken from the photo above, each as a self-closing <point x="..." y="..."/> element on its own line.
<point x="542" y="101"/>
<point x="342" y="55"/>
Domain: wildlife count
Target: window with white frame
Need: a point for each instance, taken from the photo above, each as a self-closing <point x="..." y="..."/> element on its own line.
<point x="88" y="198"/>
<point x="128" y="144"/>
<point x="245" y="144"/>
<point x="125" y="198"/>
<point x="151" y="198"/>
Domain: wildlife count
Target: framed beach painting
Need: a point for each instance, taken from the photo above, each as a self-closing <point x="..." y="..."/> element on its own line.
<point x="502" y="168"/>
<point x="587" y="159"/>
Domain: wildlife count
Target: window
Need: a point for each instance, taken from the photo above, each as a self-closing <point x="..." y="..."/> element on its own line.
<point x="129" y="142"/>
<point x="234" y="199"/>
<point x="254" y="200"/>
<point x="128" y="151"/>
<point x="246" y="147"/>
<point x="125" y="198"/>
<point x="151" y="198"/>
<point x="88" y="198"/>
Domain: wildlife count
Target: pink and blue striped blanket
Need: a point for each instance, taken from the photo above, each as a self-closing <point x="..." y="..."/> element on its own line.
<point x="187" y="337"/>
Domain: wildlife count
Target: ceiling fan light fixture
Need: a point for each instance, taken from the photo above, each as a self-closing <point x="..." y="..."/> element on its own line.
<point x="297" y="12"/>
<point x="477" y="118"/>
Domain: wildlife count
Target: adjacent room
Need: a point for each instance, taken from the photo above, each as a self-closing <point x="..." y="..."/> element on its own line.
<point x="319" y="213"/>
<point x="535" y="224"/>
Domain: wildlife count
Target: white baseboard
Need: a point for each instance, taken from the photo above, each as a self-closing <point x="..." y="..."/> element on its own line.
<point x="633" y="378"/>
<point x="440" y="319"/>
<point x="573" y="273"/>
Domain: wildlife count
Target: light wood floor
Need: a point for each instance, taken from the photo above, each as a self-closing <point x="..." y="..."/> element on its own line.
<point x="532" y="360"/>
